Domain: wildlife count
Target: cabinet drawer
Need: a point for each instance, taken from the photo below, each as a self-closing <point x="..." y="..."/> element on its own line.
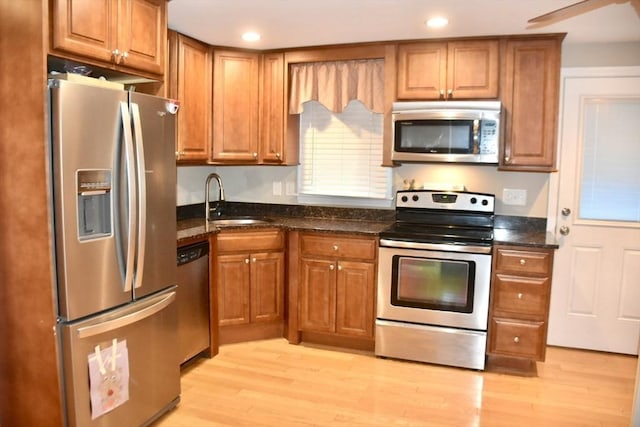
<point x="337" y="246"/>
<point x="521" y="295"/>
<point x="520" y="339"/>
<point x="250" y="240"/>
<point x="530" y="262"/>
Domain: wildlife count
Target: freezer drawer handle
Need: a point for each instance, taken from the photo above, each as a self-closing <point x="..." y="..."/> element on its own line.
<point x="111" y="325"/>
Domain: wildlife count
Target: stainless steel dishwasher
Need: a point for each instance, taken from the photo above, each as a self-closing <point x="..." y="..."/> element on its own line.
<point x="193" y="300"/>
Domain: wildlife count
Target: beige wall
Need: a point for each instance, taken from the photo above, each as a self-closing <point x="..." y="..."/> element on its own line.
<point x="255" y="183"/>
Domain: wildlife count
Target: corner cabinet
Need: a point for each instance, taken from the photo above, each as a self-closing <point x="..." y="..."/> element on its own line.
<point x="249" y="277"/>
<point x="235" y="107"/>
<point x="458" y="69"/>
<point x="120" y="34"/>
<point x="334" y="289"/>
<point x="530" y="96"/>
<point x="190" y="81"/>
<point x="519" y="310"/>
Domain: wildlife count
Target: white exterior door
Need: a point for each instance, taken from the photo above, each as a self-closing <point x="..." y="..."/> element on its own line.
<point x="595" y="299"/>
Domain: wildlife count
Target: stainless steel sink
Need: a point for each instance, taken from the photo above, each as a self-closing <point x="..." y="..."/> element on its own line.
<point x="238" y="220"/>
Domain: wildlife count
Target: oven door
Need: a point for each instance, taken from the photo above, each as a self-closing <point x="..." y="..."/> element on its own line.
<point x="437" y="288"/>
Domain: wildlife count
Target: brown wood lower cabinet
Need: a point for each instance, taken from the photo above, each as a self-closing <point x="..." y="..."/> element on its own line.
<point x="249" y="277"/>
<point x="333" y="288"/>
<point x="518" y="317"/>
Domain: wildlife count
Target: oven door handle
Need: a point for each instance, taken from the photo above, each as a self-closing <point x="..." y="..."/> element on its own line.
<point x="436" y="246"/>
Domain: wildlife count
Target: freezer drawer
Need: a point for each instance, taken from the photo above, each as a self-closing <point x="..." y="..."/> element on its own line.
<point x="148" y="331"/>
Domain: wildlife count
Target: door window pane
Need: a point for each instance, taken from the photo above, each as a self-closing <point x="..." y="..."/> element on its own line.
<point x="610" y="181"/>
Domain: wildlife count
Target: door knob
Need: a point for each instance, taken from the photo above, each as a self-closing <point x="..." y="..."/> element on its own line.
<point x="564" y="230"/>
<point x="566" y="211"/>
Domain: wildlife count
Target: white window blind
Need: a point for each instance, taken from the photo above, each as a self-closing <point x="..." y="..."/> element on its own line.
<point x="341" y="153"/>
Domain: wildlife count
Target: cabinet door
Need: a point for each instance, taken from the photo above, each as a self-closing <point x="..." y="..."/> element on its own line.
<point x="267" y="286"/>
<point x="317" y="296"/>
<point x="530" y="104"/>
<point x="355" y="298"/>
<point x="191" y="81"/>
<point x="272" y="109"/>
<point x="142" y="35"/>
<point x="472" y="69"/>
<point x="422" y="70"/>
<point x="87" y="28"/>
<point x="235" y="107"/>
<point x="233" y="277"/>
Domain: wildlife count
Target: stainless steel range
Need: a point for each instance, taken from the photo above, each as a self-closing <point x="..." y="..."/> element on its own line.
<point x="434" y="278"/>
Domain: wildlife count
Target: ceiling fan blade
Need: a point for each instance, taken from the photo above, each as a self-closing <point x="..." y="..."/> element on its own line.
<point x="571" y="11"/>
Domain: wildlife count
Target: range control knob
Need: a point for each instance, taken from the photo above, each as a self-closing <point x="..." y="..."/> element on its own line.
<point x="415" y="197"/>
<point x="474" y="200"/>
<point x="485" y="202"/>
<point x="404" y="199"/>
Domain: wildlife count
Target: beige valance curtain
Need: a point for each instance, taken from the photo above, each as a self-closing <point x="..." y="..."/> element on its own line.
<point x="335" y="83"/>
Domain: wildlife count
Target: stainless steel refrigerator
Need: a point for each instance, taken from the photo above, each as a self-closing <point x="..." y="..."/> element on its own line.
<point x="113" y="187"/>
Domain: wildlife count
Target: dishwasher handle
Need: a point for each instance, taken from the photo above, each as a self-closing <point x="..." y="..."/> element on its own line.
<point x="191" y="253"/>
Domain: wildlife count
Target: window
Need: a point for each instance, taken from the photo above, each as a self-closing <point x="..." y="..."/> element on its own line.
<point x="340" y="157"/>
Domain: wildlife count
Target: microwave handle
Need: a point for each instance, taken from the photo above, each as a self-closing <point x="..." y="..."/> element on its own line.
<point x="476" y="136"/>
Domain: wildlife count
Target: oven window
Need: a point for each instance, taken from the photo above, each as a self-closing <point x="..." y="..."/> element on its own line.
<point x="437" y="284"/>
<point x="435" y="136"/>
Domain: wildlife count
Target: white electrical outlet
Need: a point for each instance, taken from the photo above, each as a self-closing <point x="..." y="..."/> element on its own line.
<point x="516" y="197"/>
<point x="277" y="188"/>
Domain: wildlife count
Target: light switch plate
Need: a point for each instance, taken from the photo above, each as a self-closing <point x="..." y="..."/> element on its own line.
<point x="515" y="197"/>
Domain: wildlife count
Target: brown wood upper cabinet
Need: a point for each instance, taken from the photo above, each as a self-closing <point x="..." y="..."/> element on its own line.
<point x="190" y="81"/>
<point x="271" y="137"/>
<point x="235" y="106"/>
<point x="120" y="34"/>
<point x="448" y="70"/>
<point x="530" y="91"/>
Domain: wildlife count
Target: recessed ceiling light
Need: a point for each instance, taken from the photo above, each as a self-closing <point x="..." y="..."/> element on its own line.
<point x="437" y="22"/>
<point x="251" y="36"/>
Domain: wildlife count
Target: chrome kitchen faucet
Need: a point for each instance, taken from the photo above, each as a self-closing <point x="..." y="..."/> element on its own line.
<point x="220" y="203"/>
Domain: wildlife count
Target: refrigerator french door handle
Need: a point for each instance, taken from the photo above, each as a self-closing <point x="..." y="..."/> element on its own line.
<point x="132" y="197"/>
<point x="110" y="325"/>
<point x="142" y="193"/>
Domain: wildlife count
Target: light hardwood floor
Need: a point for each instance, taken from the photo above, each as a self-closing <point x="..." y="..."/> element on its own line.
<point x="273" y="383"/>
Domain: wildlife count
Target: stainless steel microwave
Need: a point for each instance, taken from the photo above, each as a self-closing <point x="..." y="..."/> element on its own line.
<point x="446" y="131"/>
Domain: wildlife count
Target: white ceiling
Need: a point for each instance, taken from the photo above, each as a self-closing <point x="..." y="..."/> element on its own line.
<point x="295" y="23"/>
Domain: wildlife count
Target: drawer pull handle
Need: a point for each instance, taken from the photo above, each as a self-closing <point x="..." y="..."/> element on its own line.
<point x="520" y="295"/>
<point x="522" y="262"/>
<point x="516" y="340"/>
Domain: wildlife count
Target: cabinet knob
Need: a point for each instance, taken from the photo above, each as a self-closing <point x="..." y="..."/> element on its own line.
<point x="335" y="247"/>
<point x="246" y="261"/>
<point x="253" y="260"/>
<point x="564" y="230"/>
<point x="277" y="155"/>
<point x="124" y="55"/>
<point x="441" y="94"/>
<point x="339" y="267"/>
<point x="520" y="295"/>
<point x="522" y="261"/>
<point x="332" y="267"/>
<point x="506" y="159"/>
<point x="516" y="339"/>
<point x="450" y="93"/>
<point x="255" y="155"/>
<point x="115" y="52"/>
<point x="566" y="211"/>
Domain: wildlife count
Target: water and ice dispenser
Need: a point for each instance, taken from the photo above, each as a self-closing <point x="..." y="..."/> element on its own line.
<point x="94" y="203"/>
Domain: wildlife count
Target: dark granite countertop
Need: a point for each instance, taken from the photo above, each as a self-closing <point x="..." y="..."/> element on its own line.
<point x="508" y="230"/>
